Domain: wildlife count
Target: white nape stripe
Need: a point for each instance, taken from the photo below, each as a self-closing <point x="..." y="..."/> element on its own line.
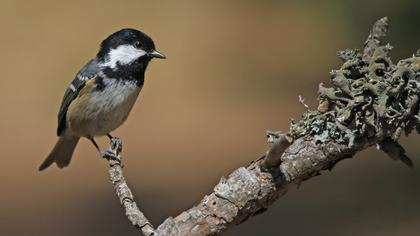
<point x="123" y="55"/>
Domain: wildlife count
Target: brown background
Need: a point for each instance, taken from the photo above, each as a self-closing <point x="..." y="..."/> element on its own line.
<point x="234" y="70"/>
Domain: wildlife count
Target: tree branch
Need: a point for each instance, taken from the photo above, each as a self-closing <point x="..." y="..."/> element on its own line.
<point x="371" y="102"/>
<point x="124" y="194"/>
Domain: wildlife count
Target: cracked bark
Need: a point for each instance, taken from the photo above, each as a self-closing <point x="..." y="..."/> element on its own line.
<point x="369" y="113"/>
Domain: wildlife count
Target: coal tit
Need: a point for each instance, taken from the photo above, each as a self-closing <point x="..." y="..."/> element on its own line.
<point x="101" y="96"/>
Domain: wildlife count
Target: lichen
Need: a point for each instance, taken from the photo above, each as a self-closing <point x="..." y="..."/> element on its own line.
<point x="370" y="99"/>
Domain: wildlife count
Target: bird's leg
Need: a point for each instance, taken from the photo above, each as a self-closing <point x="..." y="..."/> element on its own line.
<point x="95" y="144"/>
<point x="106" y="153"/>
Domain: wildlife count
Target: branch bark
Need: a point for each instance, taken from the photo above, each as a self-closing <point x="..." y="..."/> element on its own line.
<point x="123" y="192"/>
<point x="371" y="102"/>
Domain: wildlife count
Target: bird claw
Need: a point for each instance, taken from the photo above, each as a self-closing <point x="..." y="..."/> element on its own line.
<point x="113" y="154"/>
<point x="116" y="145"/>
<point x="110" y="156"/>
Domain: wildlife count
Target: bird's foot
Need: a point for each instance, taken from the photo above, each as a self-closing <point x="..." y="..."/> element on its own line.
<point x="116" y="145"/>
<point x="111" y="155"/>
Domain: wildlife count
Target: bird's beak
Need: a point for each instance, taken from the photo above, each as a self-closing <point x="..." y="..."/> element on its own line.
<point x="156" y="54"/>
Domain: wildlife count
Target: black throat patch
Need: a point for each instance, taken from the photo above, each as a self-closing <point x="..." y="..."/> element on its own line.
<point x="133" y="72"/>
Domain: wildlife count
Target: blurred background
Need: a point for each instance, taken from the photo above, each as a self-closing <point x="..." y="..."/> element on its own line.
<point x="234" y="70"/>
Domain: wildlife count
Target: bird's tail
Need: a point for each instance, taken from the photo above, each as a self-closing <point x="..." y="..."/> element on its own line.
<point x="61" y="153"/>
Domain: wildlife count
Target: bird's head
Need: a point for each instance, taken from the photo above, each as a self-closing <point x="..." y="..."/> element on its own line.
<point x="127" y="47"/>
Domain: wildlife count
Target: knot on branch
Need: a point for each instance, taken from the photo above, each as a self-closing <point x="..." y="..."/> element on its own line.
<point x="278" y="143"/>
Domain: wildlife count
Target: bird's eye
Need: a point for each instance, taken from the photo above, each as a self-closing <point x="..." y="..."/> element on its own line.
<point x="137" y="44"/>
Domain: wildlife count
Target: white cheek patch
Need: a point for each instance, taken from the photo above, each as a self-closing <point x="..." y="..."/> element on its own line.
<point x="123" y="55"/>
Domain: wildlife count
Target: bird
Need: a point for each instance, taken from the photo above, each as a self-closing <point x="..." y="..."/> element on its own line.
<point x="103" y="92"/>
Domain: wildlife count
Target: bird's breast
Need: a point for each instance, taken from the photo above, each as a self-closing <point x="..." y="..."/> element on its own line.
<point x="104" y="108"/>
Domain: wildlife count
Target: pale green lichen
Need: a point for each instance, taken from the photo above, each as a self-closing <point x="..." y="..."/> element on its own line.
<point x="370" y="99"/>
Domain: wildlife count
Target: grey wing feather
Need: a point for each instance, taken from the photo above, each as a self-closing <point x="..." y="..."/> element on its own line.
<point x="89" y="71"/>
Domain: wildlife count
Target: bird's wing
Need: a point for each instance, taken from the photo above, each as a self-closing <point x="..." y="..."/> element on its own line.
<point x="89" y="71"/>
